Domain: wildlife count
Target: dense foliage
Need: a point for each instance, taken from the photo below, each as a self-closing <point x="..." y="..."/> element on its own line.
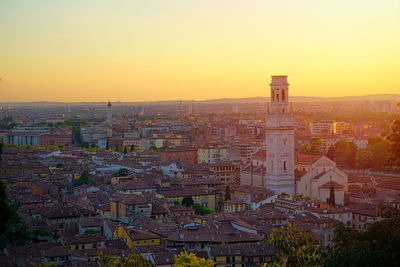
<point x="297" y="248"/>
<point x="85" y="178"/>
<point x="132" y="260"/>
<point x="377" y="246"/>
<point x="313" y="146"/>
<point x="185" y="259"/>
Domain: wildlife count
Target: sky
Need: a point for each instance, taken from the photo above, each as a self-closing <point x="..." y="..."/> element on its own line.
<point x="126" y="50"/>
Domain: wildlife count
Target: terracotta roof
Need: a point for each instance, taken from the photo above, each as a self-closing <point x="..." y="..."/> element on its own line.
<point x="328" y="185"/>
<point x="306" y="158"/>
<point x="71" y="240"/>
<point x="390" y="184"/>
<point x="245" y="250"/>
<point x="56" y="252"/>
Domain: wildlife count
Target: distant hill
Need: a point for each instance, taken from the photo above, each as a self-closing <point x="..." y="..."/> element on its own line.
<point x="304" y="99"/>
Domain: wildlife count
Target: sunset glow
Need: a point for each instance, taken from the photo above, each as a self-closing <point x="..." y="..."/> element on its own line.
<point x="163" y="50"/>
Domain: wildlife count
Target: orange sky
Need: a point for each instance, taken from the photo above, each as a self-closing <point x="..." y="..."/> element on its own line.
<point x="161" y="50"/>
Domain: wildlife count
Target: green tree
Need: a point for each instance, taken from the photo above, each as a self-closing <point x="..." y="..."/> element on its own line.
<point x="85" y="178"/>
<point x="378" y="245"/>
<point x="364" y="158"/>
<point x="376" y="155"/>
<point x="91" y="232"/>
<point x="331" y="153"/>
<point x="125" y="149"/>
<point x="227" y="193"/>
<point x="200" y="210"/>
<point x="187" y="201"/>
<point x="394" y="139"/>
<point x="122" y="172"/>
<point x="332" y="195"/>
<point x="185" y="259"/>
<point x="11" y="229"/>
<point x="345" y="153"/>
<point x="1" y="150"/>
<point x="313" y="146"/>
<point x="132" y="260"/>
<point x="107" y="144"/>
<point x="297" y="248"/>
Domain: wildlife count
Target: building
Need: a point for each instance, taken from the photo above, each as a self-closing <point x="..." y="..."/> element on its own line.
<point x="205" y="198"/>
<point x="383" y="106"/>
<point x="242" y="254"/>
<point x="212" y="153"/>
<point x="188" y="155"/>
<point x="23" y="138"/>
<point x="226" y="172"/>
<point x="280" y="139"/>
<point x="321" y="176"/>
<point x="109" y="113"/>
<point x="323" y="127"/>
<point x="55" y="140"/>
<point x="136" y="237"/>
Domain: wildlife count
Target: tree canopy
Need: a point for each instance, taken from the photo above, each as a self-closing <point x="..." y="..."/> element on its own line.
<point x="378" y="245"/>
<point x="297" y="248"/>
<point x="186" y="259"/>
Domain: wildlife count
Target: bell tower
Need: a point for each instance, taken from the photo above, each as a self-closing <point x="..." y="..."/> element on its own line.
<point x="280" y="139"/>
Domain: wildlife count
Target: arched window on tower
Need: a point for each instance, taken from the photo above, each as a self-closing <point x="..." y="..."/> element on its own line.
<point x="273" y="96"/>
<point x="284" y="166"/>
<point x="277" y="97"/>
<point x="283" y="95"/>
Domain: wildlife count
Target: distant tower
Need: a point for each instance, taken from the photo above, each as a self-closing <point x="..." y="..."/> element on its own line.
<point x="280" y="139"/>
<point x="109" y="113"/>
<point x="190" y="108"/>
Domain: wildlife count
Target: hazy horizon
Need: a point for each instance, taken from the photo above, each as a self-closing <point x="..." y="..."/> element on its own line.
<point x="378" y="97"/>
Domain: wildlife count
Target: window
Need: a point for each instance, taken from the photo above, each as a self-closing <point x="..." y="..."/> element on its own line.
<point x="137" y="243"/>
<point x="283" y="95"/>
<point x="284" y="165"/>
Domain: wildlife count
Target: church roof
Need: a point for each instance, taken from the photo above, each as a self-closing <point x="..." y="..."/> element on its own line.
<point x="306" y="158"/>
<point x="328" y="185"/>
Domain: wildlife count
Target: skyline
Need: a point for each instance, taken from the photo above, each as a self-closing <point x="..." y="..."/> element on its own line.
<point x="100" y="51"/>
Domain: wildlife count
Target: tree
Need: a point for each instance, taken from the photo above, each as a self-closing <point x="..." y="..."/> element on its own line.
<point x="331" y="153"/>
<point x="1" y="150"/>
<point x="296" y="248"/>
<point x="107" y="144"/>
<point x="200" y="210"/>
<point x="345" y="153"/>
<point x="132" y="260"/>
<point x="313" y="146"/>
<point x="332" y="195"/>
<point x="394" y="139"/>
<point x="227" y="193"/>
<point x="378" y="245"/>
<point x="376" y="155"/>
<point x="122" y="172"/>
<point x="187" y="201"/>
<point x="185" y="259"/>
<point x="91" y="232"/>
<point x="11" y="229"/>
<point x="84" y="179"/>
<point x="125" y="149"/>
